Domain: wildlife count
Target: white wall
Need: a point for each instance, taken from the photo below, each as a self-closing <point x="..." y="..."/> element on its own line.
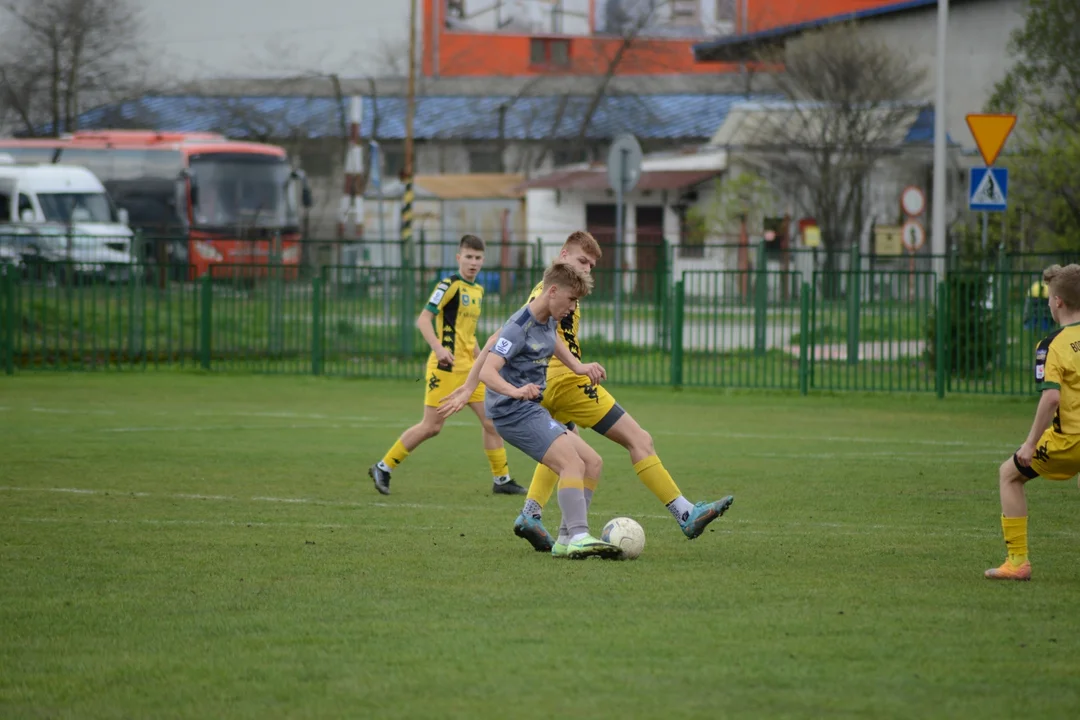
<point x="270" y="38"/>
<point x="977" y="57"/>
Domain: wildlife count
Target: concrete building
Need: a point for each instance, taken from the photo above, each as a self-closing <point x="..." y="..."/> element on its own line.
<point x="976" y="59"/>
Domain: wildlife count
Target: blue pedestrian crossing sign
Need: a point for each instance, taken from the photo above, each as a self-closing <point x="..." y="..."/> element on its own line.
<point x="988" y="189"/>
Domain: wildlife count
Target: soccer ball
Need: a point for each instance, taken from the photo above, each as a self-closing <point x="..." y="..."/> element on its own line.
<point x="627" y="534"/>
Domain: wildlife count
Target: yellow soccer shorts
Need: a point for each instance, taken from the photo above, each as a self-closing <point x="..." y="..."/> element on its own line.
<point x="1057" y="457"/>
<point x="573" y="399"/>
<point x="441" y="383"/>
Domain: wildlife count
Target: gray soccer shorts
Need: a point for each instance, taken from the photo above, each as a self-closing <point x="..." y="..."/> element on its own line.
<point x="530" y="428"/>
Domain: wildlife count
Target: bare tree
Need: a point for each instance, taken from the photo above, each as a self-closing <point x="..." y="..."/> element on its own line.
<point x="60" y="57"/>
<point x="848" y="99"/>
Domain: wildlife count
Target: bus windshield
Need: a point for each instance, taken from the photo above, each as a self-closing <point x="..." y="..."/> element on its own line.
<point x="77" y="207"/>
<point x="244" y="191"/>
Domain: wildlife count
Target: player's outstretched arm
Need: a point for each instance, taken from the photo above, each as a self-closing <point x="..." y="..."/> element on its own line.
<point x="1048" y="405"/>
<point x="425" y="324"/>
<point x="458" y="399"/>
<point x="489" y="375"/>
<point x="594" y="371"/>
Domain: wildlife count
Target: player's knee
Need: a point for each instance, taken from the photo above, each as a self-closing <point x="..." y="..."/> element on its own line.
<point x="594" y="466"/>
<point x="574" y="467"/>
<point x="644" y="441"/>
<point x="1009" y="474"/>
<point x="431" y="429"/>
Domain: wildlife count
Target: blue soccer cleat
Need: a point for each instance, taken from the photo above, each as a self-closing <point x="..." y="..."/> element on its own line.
<point x="532" y="529"/>
<point x="703" y="514"/>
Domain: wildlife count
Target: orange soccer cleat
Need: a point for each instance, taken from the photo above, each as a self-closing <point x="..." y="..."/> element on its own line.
<point x="1008" y="571"/>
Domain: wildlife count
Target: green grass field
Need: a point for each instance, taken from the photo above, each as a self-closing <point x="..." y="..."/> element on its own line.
<point x="182" y="545"/>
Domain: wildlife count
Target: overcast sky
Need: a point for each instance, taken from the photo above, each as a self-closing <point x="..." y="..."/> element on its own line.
<point x="260" y="38"/>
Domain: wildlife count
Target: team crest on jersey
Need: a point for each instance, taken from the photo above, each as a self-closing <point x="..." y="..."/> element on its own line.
<point x="465" y="299"/>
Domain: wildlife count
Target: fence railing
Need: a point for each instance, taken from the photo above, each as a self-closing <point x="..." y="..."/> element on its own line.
<point x="972" y="331"/>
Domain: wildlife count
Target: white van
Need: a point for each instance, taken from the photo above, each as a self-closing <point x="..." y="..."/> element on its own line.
<point x="61" y="213"/>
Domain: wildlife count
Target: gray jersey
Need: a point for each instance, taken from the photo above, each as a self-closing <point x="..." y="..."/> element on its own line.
<point x="527" y="347"/>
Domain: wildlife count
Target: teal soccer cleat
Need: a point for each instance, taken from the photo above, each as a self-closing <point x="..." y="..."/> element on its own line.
<point x="703" y="514"/>
<point x="532" y="529"/>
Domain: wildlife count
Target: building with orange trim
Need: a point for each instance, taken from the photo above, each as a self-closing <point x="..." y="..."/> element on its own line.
<point x="525" y="38"/>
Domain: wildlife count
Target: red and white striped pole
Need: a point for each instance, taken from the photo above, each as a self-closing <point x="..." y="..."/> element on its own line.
<point x="351" y="217"/>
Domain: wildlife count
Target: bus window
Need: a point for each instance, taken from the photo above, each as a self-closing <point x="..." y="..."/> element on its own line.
<point x="96" y="161"/>
<point x="5" y="208"/>
<point x="127" y="164"/>
<point x="163" y="164"/>
<point x="30" y="155"/>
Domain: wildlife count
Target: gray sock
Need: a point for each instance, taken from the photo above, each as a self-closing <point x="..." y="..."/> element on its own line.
<point x="532" y="509"/>
<point x="574" y="511"/>
<point x="564" y="534"/>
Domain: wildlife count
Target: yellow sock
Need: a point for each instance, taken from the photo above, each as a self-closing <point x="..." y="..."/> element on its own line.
<point x="657" y="479"/>
<point x="1015" y="530"/>
<point x="497" y="460"/>
<point x="543" y="484"/>
<point x="591" y="484"/>
<point x="396" y="455"/>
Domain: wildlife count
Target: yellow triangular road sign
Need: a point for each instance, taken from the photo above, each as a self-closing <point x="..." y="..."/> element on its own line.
<point x="990" y="132"/>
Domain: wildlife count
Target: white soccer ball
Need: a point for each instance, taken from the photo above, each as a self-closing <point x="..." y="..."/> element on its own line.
<point x="627" y="534"/>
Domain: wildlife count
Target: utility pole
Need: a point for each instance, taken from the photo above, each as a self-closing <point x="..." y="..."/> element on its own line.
<point x="937" y="235"/>
<point x="410" y="109"/>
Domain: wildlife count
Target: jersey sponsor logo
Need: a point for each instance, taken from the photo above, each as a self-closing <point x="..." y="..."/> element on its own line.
<point x="1040" y="354"/>
<point x="1040" y="372"/>
<point x="438" y="294"/>
<point x="503" y="346"/>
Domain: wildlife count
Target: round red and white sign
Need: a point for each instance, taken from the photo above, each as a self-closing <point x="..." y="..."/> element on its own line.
<point x="913" y="201"/>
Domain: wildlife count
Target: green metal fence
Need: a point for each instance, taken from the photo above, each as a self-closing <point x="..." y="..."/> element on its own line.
<point x="971" y="331"/>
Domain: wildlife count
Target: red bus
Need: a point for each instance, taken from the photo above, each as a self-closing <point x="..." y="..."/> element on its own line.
<point x="198" y="198"/>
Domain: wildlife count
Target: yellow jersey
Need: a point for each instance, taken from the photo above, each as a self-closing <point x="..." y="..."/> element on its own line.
<point x="568" y="331"/>
<point x="456" y="304"/>
<point x="1057" y="365"/>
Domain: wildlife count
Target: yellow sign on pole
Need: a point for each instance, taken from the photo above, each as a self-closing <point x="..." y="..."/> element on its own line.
<point x="990" y="132"/>
<point x="888" y="240"/>
<point x="811" y="236"/>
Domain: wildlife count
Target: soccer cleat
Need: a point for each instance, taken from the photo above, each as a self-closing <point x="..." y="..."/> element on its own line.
<point x="381" y="478"/>
<point x="589" y="546"/>
<point x="533" y="530"/>
<point x="560" y="551"/>
<point x="1008" y="571"/>
<point x="703" y="514"/>
<point x="508" y="488"/>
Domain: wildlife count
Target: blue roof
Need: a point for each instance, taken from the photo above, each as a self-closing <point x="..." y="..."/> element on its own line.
<point x="675" y="117"/>
<point x="732" y="47"/>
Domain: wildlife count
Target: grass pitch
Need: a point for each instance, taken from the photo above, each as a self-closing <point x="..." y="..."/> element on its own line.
<point x="178" y="545"/>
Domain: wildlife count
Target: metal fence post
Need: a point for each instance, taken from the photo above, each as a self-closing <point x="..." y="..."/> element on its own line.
<point x="761" y="302"/>
<point x="941" y="342"/>
<point x="677" y="335"/>
<point x="1001" y="301"/>
<point x="408" y="291"/>
<point x="316" y="325"/>
<point x="7" y="312"/>
<point x="854" y="291"/>
<point x="805" y="348"/>
<point x="205" y="320"/>
<point x="662" y="275"/>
